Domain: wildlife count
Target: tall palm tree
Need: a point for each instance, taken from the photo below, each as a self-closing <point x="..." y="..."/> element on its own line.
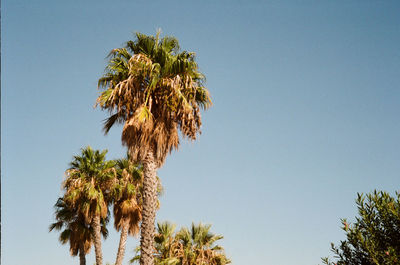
<point x="155" y="90"/>
<point x="75" y="230"/>
<point x="88" y="185"/>
<point x="127" y="202"/>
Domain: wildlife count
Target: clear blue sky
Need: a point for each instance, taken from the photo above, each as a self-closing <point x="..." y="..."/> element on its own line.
<point x="306" y="114"/>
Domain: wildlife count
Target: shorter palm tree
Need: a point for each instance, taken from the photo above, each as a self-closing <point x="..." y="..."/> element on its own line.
<point x="127" y="202"/>
<point x="75" y="230"/>
<point x="195" y="246"/>
<point x="166" y="245"/>
<point x="88" y="188"/>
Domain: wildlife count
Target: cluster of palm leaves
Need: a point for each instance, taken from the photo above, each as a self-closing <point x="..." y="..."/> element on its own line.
<point x="94" y="184"/>
<point x="91" y="186"/>
<point x="194" y="246"/>
<point x="75" y="230"/>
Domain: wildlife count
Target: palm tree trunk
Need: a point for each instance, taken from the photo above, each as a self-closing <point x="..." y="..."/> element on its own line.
<point x="82" y="258"/>
<point x="147" y="230"/>
<point x="97" y="239"/>
<point x="122" y="242"/>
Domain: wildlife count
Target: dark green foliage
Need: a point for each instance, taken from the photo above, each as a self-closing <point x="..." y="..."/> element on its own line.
<point x="76" y="231"/>
<point x="374" y="238"/>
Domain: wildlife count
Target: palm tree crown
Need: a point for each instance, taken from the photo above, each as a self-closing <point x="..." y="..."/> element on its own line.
<point x="89" y="182"/>
<point x="194" y="246"/>
<point x="128" y="198"/>
<point x="197" y="246"/>
<point x="74" y="229"/>
<point x="155" y="90"/>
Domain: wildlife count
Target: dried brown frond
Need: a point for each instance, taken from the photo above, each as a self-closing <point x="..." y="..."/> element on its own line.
<point x="127" y="211"/>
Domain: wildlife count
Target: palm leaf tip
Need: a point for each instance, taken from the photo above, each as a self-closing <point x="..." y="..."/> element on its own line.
<point x="56" y="226"/>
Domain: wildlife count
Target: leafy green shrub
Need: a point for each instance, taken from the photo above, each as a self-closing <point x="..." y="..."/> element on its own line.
<point x="374" y="238"/>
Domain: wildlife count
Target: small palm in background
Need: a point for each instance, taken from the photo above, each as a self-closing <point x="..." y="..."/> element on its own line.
<point x="127" y="202"/>
<point x="194" y="246"/>
<point x="74" y="230"/>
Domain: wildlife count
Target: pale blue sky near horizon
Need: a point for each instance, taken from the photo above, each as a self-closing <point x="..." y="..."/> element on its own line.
<point x="306" y="114"/>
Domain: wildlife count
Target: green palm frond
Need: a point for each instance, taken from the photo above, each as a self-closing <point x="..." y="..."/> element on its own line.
<point x="64" y="236"/>
<point x="57" y="226"/>
<point x="118" y="118"/>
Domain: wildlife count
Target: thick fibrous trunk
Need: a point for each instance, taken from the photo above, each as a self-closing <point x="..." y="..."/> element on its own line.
<point x="82" y="258"/>
<point x="97" y="240"/>
<point x="122" y="243"/>
<point x="149" y="210"/>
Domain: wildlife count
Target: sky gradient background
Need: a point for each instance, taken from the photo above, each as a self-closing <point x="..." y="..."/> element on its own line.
<point x="306" y="114"/>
